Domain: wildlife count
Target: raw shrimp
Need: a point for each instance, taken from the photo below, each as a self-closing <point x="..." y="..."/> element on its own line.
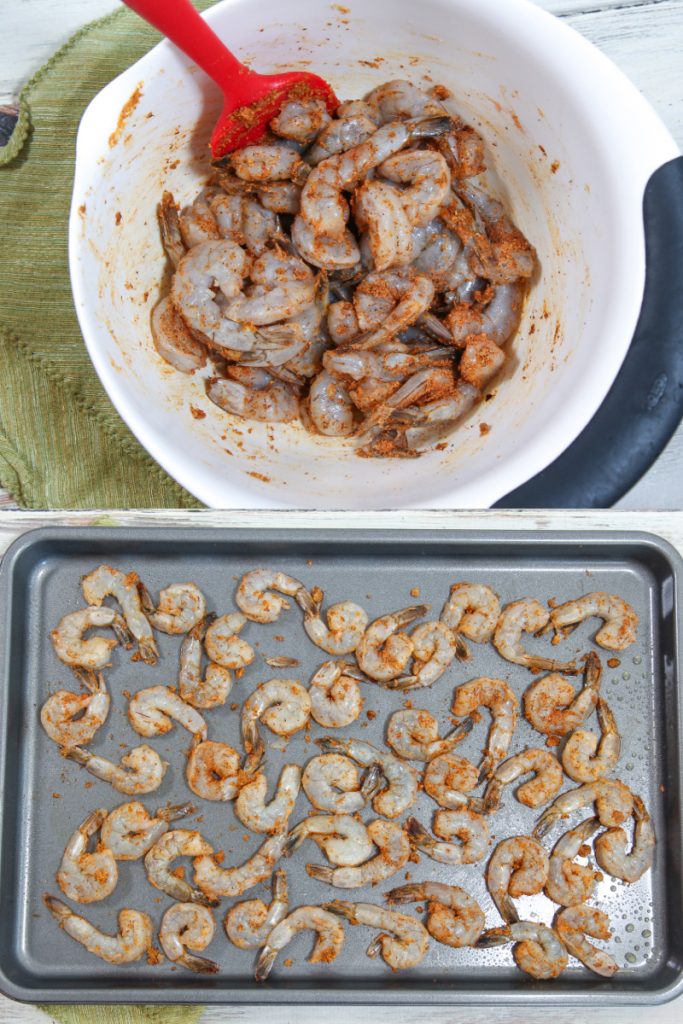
<point x="525" y="616"/>
<point x="518" y="867"/>
<point x="551" y="705"/>
<point x="301" y="120"/>
<point x="131" y="943"/>
<point x="213" y="771"/>
<point x="196" y="221"/>
<point x="335" y="694"/>
<point x="141" y="770"/>
<point x="497" y="696"/>
<point x="158" y="859"/>
<point x="173" y="340"/>
<point x="448" y="778"/>
<point x="439" y="254"/>
<point x="379" y="213"/>
<point x="181" y="606"/>
<point x="330" y="407"/>
<point x="151" y="713"/>
<point x="343" y="839"/>
<point x="587" y="757"/>
<point x="611" y="847"/>
<point x="282" y="286"/>
<point x="268" y="162"/>
<point x="328" y="944"/>
<point x="218" y="882"/>
<point x="210" y="690"/>
<point x="346" y="623"/>
<point x="462" y="823"/>
<point x="537" y="951"/>
<point x="401" y="778"/>
<point x="426" y="174"/>
<point x="249" y="924"/>
<point x="442" y="410"/>
<point x="242" y="219"/>
<point x="263" y="398"/>
<point x="621" y="621"/>
<point x="545" y="785"/>
<point x="334" y="783"/>
<point x="255" y="595"/>
<point x="105" y="581"/>
<point x="224" y="646"/>
<point x="398" y="297"/>
<point x="330" y="254"/>
<point x="83" y="876"/>
<point x="414" y="735"/>
<point x="394" y="852"/>
<point x="281" y="704"/>
<point x="495" y="322"/>
<point x="472" y="610"/>
<point x="350" y="128"/>
<point x="92" y="654"/>
<point x="573" y="924"/>
<point x="613" y="804"/>
<point x="569" y="883"/>
<point x="253" y="811"/>
<point x="501" y="252"/>
<point x="206" y="271"/>
<point x="481" y="360"/>
<point x="58" y="714"/>
<point x="434" y="648"/>
<point x="407" y="940"/>
<point x="188" y="926"/>
<point x="383" y="652"/>
<point x="453" y="917"/>
<point x="129" y="830"/>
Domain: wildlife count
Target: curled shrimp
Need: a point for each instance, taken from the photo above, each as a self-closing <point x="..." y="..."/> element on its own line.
<point x="332" y="782"/>
<point x="484" y="329"/>
<point x="224" y="646"/>
<point x="403" y="940"/>
<point x="613" y="804"/>
<point x="181" y="606"/>
<point x="328" y="944"/>
<point x="261" y="816"/>
<point x="428" y="180"/>
<point x="518" y="867"/>
<point x="568" y="882"/>
<point x="611" y="847"/>
<point x="401" y="789"/>
<point x="525" y="616"/>
<point x="396" y="298"/>
<point x="621" y="621"/>
<point x="537" y="951"/>
<point x="379" y="212"/>
<point x="206" y="271"/>
<point x="129" y="830"/>
<point x="213" y="771"/>
<point x="335" y="694"/>
<point x="267" y="162"/>
<point x="587" y="757"/>
<point x="196" y="221"/>
<point x="84" y="876"/>
<point x="463" y="824"/>
<point x="256" y="396"/>
<point x="453" y="917"/>
<point x="151" y="713"/>
<point x="282" y="704"/>
<point x="141" y="770"/>
<point x="209" y="690"/>
<point x="448" y="778"/>
<point x="93" y="653"/>
<point x="573" y="924"/>
<point x="217" y="882"/>
<point x="399" y="99"/>
<point x="258" y="594"/>
<point x="330" y="407"/>
<point x="472" y="610"/>
<point x="497" y="696"/>
<point x="551" y="705"/>
<point x="132" y="941"/>
<point x="394" y="850"/>
<point x="346" y="623"/>
<point x="70" y="719"/>
<point x="501" y="253"/>
<point x="178" y="842"/>
<point x="352" y="125"/>
<point x="188" y="926"/>
<point x="384" y="651"/>
<point x="343" y="839"/>
<point x="414" y="735"/>
<point x="545" y="785"/>
<point x="248" y="924"/>
<point x="283" y="285"/>
<point x="301" y="120"/>
<point x="434" y="648"/>
<point x="105" y="581"/>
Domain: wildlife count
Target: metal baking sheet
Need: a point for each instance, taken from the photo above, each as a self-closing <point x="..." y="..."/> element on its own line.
<point x="46" y="797"/>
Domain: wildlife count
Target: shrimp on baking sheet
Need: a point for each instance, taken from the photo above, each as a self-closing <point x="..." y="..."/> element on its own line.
<point x="132" y="941"/>
<point x="611" y="847"/>
<point x="552" y="706"/>
<point x="329" y="938"/>
<point x="181" y="606"/>
<point x="568" y="882"/>
<point x="258" y="594"/>
<point x="538" y="950"/>
<point x="414" y="735"/>
<point x="104" y="582"/>
<point x="472" y="610"/>
<point x="401" y="789"/>
<point x="217" y="882"/>
<point x="518" y="867"/>
<point x="573" y="924"/>
<point x="525" y="616"/>
<point x="213" y="771"/>
<point x="158" y="859"/>
<point x="470" y="828"/>
<point x="394" y="851"/>
<point x="448" y="778"/>
<point x="86" y="876"/>
<point x="587" y="757"/>
<point x="344" y="840"/>
<point x="403" y="940"/>
<point x="224" y="646"/>
<point x="620" y="620"/>
<point x="335" y="694"/>
<point x="71" y="719"/>
<point x="500" y="700"/>
<point x="434" y="648"/>
<point x="93" y="653"/>
<point x="384" y="651"/>
<point x="335" y="783"/>
<point x="188" y="926"/>
<point x="248" y="924"/>
<point x="613" y="804"/>
<point x="140" y="771"/>
<point x="151" y="713"/>
<point x="346" y="623"/>
<point x="453" y="917"/>
<point x="545" y="785"/>
<point x="207" y="690"/>
<point x="129" y="830"/>
<point x="281" y="704"/>
<point x="260" y="816"/>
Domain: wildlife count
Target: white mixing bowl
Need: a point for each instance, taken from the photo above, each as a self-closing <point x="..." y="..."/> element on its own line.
<point x="573" y="143"/>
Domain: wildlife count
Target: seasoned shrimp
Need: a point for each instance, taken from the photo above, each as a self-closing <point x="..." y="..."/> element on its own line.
<point x="402" y="296"/>
<point x="414" y="735"/>
<point x="281" y="704"/>
<point x="434" y="648"/>
<point x="573" y="924"/>
<point x="173" y="340"/>
<point x="462" y="823"/>
<point x="472" y="609"/>
<point x="587" y="757"/>
<point x="201" y="691"/>
<point x="105" y="581"/>
<point x="453" y="917"/>
<point x="60" y="713"/>
<point x="401" y="778"/>
<point x="83" y="876"/>
<point x="497" y="696"/>
<point x="141" y="770"/>
<point x="213" y="771"/>
<point x="253" y="811"/>
<point x="379" y="212"/>
<point x="518" y="867"/>
<point x="399" y="99"/>
<point x="394" y="851"/>
<point x="353" y="125"/>
<point x="92" y="654"/>
<point x="188" y="926"/>
<point x="501" y="253"/>
<point x="181" y="606"/>
<point x="407" y="940"/>
<point x="545" y="785"/>
<point x="330" y="408"/>
<point x="169" y="229"/>
<point x="334" y="783"/>
<point x="262" y="397"/>
<point x="129" y="830"/>
<point x="255" y="595"/>
<point x="448" y="778"/>
<point x="268" y="162"/>
<point x="301" y="120"/>
<point x="491" y="326"/>
<point x="343" y="839"/>
<point x="218" y="882"/>
<point x="330" y="254"/>
<point x="611" y="847"/>
<point x="569" y="883"/>
<point x="621" y="621"/>
<point x="383" y="652"/>
<point x="151" y="713"/>
<point x="551" y="705"/>
<point x="537" y="951"/>
<point x="346" y="623"/>
<point x="328" y="944"/>
<point x="205" y="271"/>
<point x="525" y="616"/>
<point x="224" y="646"/>
<point x="428" y="180"/>
<point x="613" y="804"/>
<point x="178" y="842"/>
<point x="335" y="694"/>
<point x="132" y="941"/>
<point x="249" y="924"/>
<point x="282" y="286"/>
<point x="196" y="221"/>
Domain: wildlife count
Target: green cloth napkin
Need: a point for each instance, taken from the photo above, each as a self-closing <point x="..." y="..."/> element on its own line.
<point x="62" y="444"/>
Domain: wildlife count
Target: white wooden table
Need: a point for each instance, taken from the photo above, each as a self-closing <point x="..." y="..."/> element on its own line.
<point x="644" y="37"/>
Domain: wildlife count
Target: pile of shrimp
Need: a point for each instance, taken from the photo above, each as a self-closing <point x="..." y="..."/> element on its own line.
<point x="352" y="272"/>
<point x="348" y="777"/>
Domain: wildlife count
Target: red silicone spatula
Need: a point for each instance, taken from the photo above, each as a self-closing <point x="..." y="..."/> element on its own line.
<point x="250" y="100"/>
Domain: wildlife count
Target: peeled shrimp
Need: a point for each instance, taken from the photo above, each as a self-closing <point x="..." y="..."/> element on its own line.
<point x="196" y="221"/>
<point x="343" y="839"/>
<point x="158" y="859"/>
<point x="248" y="924"/>
<point x="151" y="713"/>
<point x="352" y="126"/>
<point x="334" y="783"/>
<point x="335" y="695"/>
<point x="414" y="735"/>
<point x="301" y="120"/>
<point x="379" y="212"/>
<point x="207" y="691"/>
<point x="472" y="609"/>
<point x="525" y="616"/>
<point x="328" y="944"/>
<point x="282" y="286"/>
<point x="218" y="882"/>
<point x="573" y="924"/>
<point x="131" y="943"/>
<point x="497" y="696"/>
<point x="518" y="867"/>
<point x="188" y="926"/>
<point x="243" y="219"/>
<point x="224" y="646"/>
<point x="399" y="99"/>
<point x="491" y="325"/>
<point x="569" y="883"/>
<point x="613" y="804"/>
<point x="611" y="847"/>
<point x="551" y="705"/>
<point x="83" y="876"/>
<point x="207" y="270"/>
<point x="330" y="407"/>
<point x="213" y="771"/>
<point x="545" y="785"/>
<point x="587" y="757"/>
<point x="58" y="714"/>
<point x="394" y="851"/>
<point x="92" y="654"/>
<point x="448" y="778"/>
<point x="253" y="811"/>
<point x="281" y="704"/>
<point x="346" y="623"/>
<point x="462" y="823"/>
<point x="181" y="606"/>
<point x="453" y="917"/>
<point x="141" y="770"/>
<point x="621" y="621"/>
<point x="256" y="598"/>
<point x="383" y="652"/>
<point x="105" y="581"/>
<point x="434" y="648"/>
<point x="538" y="950"/>
<point x="401" y="778"/>
<point x="428" y="180"/>
<point x="395" y="299"/>
<point x="262" y="397"/>
<point x="501" y="253"/>
<point x="403" y="940"/>
<point x="129" y="830"/>
<point x="268" y="162"/>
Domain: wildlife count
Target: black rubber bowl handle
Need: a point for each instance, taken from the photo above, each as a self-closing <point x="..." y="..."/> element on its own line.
<point x="645" y="404"/>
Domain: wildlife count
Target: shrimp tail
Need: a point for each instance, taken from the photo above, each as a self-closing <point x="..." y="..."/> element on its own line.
<point x="321" y="872"/>
<point x="462" y="651"/>
<point x="342" y="908"/>
<point x="376" y="946"/>
<point x="149" y="652"/>
<point x="294" y="840"/>
<point x="402" y="683"/>
<point x="536" y="665"/>
<point x="175" y="812"/>
<point x="429" y="127"/>
<point x="462" y="730"/>
<point x="123" y="634"/>
<point x="488" y="766"/>
<point x="404" y="893"/>
<point x="507" y="909"/>
<point x="86" y="677"/>
<point x="490" y="802"/>
<point x="545" y="823"/>
<point x="308" y="603"/>
<point x="58" y="909"/>
<point x="493" y="937"/>
<point x="373" y="782"/>
<point x="198" y="964"/>
<point x="329" y="744"/>
<point x="265" y="962"/>
<point x="76" y="754"/>
<point x="197" y="896"/>
<point x="418" y="834"/>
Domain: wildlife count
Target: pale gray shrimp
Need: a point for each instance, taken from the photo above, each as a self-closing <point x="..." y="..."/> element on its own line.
<point x="379" y="213"/>
<point x="390" y="301"/>
<point x="248" y="924"/>
<point x="282" y="286"/>
<point x="344" y="839"/>
<point x="334" y="783"/>
<point x="390" y="362"/>
<point x="442" y="410"/>
<point x="497" y="321"/>
<point x="481" y="361"/>
<point x="518" y="867"/>
<point x="403" y="940"/>
<point x="569" y="883"/>
<point x="414" y="735"/>
<point x="552" y="706"/>
<point x="471" y="610"/>
<point x="464" y="150"/>
<point x="196" y="221"/>
<point x="501" y="252"/>
<point x="132" y="941"/>
<point x="224" y="646"/>
<point x="500" y="700"/>
<point x="213" y="771"/>
<point x="351" y="127"/>
<point x="158" y="859"/>
<point x="210" y="690"/>
<point x="206" y="271"/>
<point x="401" y="778"/>
<point x="453" y="917"/>
<point x="436" y="251"/>
<point x="282" y="704"/>
<point x="105" y="581"/>
<point x="400" y="99"/>
<point x="328" y="943"/>
<point x="188" y="926"/>
<point x="448" y="778"/>
<point x="428" y="180"/>
<point x="264" y="398"/>
<point x="545" y="785"/>
<point x="70" y="719"/>
<point x="141" y="770"/>
<point x="268" y="162"/>
<point x="281" y="197"/>
<point x="383" y="651"/>
<point x="394" y="852"/>
<point x="129" y="830"/>
<point x="83" y="876"/>
<point x="173" y="340"/>
<point x="92" y="654"/>
<point x="538" y="951"/>
<point x="272" y="816"/>
<point x="621" y="621"/>
<point x="346" y="623"/>
<point x="323" y="251"/>
<point x="342" y="324"/>
<point x="611" y="847"/>
<point x="242" y="219"/>
<point x="420" y="387"/>
<point x="434" y="648"/>
<point x="613" y="804"/>
<point x="517" y="618"/>
<point x="469" y="827"/>
<point x="335" y="694"/>
<point x="573" y="924"/>
<point x="587" y="757"/>
<point x="218" y="882"/>
<point x="181" y="606"/>
<point x="330" y="407"/>
<point x="301" y="120"/>
<point x="151" y="713"/>
<point x="255" y="595"/>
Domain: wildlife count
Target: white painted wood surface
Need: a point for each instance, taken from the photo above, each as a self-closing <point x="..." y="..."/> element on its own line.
<point x="667" y="524"/>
